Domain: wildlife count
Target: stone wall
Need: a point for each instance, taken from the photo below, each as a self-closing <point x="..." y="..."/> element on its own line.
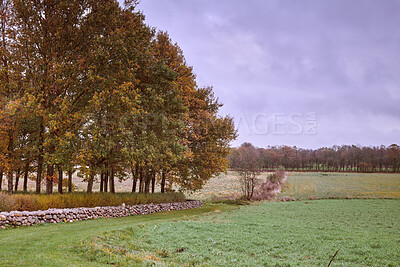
<point x="27" y="218"/>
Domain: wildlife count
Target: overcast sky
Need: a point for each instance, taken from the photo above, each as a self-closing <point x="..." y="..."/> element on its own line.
<point x="304" y="73"/>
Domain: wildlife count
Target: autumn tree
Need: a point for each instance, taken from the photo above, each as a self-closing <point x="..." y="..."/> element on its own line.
<point x="206" y="136"/>
<point x="89" y="84"/>
<point x="10" y="94"/>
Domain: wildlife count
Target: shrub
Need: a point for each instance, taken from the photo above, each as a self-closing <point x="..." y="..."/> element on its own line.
<point x="272" y="177"/>
<point x="6" y="202"/>
<point x="271" y="186"/>
<point x="26" y="202"/>
<point x="277" y="176"/>
<point x="266" y="190"/>
<point x="50" y="202"/>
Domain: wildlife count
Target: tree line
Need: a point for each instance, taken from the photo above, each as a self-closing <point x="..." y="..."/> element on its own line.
<point x="346" y="158"/>
<point x="88" y="86"/>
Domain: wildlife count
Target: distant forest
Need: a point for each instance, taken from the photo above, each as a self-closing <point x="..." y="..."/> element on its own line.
<point x="345" y="158"/>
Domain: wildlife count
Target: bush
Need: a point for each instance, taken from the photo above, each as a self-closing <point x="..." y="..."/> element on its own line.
<point x="277" y="176"/>
<point x="30" y="202"/>
<point x="24" y="202"/>
<point x="6" y="202"/>
<point x="271" y="186"/>
<point x="272" y="177"/>
<point x="266" y="190"/>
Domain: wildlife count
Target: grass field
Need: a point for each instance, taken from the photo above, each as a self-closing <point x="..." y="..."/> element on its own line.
<point x="366" y="233"/>
<point x="226" y="185"/>
<point x="302" y="185"/>
<point x="56" y="244"/>
<point x="223" y="186"/>
<point x="299" y="185"/>
<point x="302" y="233"/>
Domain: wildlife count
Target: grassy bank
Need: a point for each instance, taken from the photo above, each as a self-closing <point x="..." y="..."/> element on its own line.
<point x="55" y="244"/>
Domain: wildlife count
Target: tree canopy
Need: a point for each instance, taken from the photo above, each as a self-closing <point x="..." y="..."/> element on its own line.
<point x="89" y="86"/>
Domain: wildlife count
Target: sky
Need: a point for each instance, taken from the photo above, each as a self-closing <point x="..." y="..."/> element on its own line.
<point x="301" y="73"/>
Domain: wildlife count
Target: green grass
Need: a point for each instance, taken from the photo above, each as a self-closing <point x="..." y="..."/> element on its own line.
<point x="55" y="244"/>
<point x="301" y="233"/>
<point x="342" y="185"/>
<point x="367" y="232"/>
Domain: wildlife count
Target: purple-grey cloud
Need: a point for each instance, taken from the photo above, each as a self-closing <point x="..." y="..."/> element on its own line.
<point x="339" y="59"/>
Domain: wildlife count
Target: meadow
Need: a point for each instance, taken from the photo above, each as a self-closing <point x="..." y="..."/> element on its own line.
<point x="314" y="185"/>
<point x="226" y="185"/>
<point x="320" y="185"/>
<point x="59" y="244"/>
<point x="299" y="185"/>
<point x="365" y="232"/>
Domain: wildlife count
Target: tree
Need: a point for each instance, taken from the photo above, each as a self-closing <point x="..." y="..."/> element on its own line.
<point x="394" y="157"/>
<point x="88" y="83"/>
<point x="248" y="161"/>
<point x="50" y="42"/>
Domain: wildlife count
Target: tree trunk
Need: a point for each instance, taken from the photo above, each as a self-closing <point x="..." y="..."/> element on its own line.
<point x="147" y="185"/>
<point x="26" y="173"/>
<point x="50" y="173"/>
<point x="10" y="178"/>
<point x="39" y="174"/>
<point x="1" y="180"/>
<point x="90" y="182"/>
<point x="60" y="180"/>
<point x="141" y="180"/>
<point x="147" y="181"/>
<point x="101" y="182"/>
<point x="163" y="182"/>
<point x="106" y="181"/>
<point x="134" y="171"/>
<point x="40" y="160"/>
<point x="70" y="181"/>
<point x="112" y="188"/>
<point x="49" y="180"/>
<point x="153" y="181"/>
<point x="17" y="175"/>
